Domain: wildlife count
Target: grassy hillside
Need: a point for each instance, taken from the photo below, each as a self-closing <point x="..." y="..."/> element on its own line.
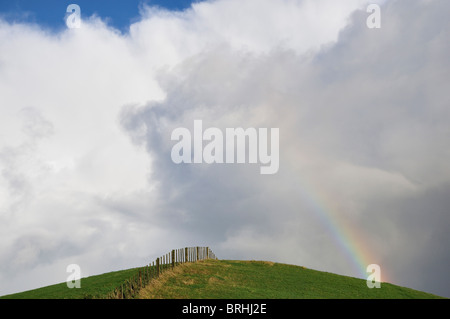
<point x="227" y="279"/>
<point x="91" y="287"/>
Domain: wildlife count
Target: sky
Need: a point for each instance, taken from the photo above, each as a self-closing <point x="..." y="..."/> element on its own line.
<point x="47" y="13"/>
<point x="87" y="115"/>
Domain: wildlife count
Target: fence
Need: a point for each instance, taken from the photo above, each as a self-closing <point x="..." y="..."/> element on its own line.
<point x="131" y="287"/>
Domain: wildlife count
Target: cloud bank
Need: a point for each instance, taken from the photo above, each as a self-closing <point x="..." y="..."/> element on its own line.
<point x="87" y="115"/>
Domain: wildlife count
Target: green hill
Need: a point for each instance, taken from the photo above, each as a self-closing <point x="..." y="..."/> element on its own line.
<point x="228" y="279"/>
<point x="91" y="287"/>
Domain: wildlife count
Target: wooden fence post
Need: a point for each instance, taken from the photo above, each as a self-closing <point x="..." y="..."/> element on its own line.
<point x="157" y="267"/>
<point x="130" y="288"/>
<point x="173" y="258"/>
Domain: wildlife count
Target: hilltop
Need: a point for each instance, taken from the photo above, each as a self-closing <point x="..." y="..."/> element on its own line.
<point x="232" y="279"/>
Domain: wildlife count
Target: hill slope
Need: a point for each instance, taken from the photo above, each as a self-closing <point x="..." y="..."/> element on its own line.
<point x="226" y="279"/>
<point x="91" y="287"/>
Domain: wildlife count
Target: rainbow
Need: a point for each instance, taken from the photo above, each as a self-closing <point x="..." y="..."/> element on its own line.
<point x="349" y="240"/>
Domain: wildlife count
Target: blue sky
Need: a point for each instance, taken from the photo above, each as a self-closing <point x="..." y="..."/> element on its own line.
<point x="50" y="13"/>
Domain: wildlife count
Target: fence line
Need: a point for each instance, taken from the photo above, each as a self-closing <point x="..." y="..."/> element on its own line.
<point x="130" y="288"/>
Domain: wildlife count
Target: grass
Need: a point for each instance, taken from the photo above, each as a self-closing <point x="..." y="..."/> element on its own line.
<point x="227" y="279"/>
<point x="91" y="287"/>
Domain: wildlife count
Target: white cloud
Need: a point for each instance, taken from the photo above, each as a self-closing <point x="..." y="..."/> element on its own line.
<point x="362" y="116"/>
